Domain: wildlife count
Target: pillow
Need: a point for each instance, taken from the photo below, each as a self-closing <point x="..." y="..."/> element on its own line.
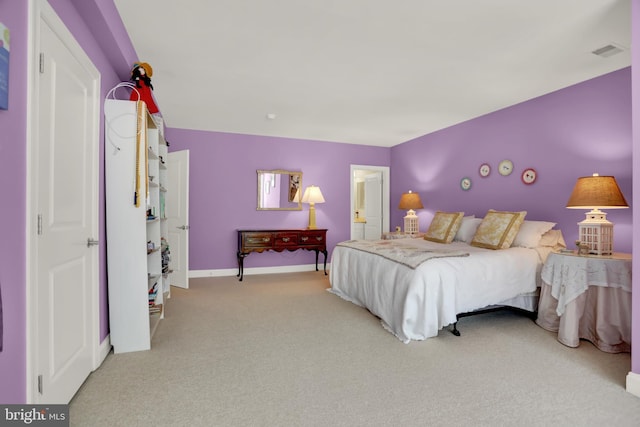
<point x="531" y="232"/>
<point x="467" y="229"/>
<point x="553" y="238"/>
<point x="498" y="229"/>
<point x="444" y="226"/>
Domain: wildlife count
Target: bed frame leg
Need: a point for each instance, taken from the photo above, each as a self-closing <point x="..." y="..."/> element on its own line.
<point x="455" y="330"/>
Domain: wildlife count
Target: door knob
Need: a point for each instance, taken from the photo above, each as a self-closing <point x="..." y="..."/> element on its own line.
<point x="91" y="242"/>
<point x="183" y="227"/>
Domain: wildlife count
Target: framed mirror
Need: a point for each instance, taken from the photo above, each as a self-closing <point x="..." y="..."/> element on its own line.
<point x="279" y="190"/>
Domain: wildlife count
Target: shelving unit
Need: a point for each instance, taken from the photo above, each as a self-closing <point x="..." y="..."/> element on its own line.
<point x="137" y="255"/>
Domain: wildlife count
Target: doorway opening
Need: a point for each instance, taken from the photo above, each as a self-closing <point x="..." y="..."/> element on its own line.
<point x="369" y="207"/>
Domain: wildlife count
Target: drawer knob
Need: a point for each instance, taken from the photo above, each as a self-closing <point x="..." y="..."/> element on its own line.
<point x="285" y="239"/>
<point x="305" y="238"/>
<point x="265" y="239"/>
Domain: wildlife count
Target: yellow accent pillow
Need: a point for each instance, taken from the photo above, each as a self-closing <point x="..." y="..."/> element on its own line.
<point x="444" y="226"/>
<point x="498" y="229"/>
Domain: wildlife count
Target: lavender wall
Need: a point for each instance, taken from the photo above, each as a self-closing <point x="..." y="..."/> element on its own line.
<point x="223" y="185"/>
<point x="13" y="128"/>
<point x="573" y="132"/>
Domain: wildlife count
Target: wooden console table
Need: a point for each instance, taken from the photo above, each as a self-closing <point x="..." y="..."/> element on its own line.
<point x="279" y="240"/>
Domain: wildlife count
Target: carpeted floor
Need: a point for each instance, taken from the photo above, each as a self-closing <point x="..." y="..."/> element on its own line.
<point x="279" y="350"/>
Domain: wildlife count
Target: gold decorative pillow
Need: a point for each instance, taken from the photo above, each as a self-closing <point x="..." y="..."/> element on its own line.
<point x="444" y="226"/>
<point x="498" y="229"/>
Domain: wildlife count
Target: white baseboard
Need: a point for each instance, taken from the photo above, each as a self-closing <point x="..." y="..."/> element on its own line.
<point x="103" y="351"/>
<point x="194" y="274"/>
<point x="633" y="383"/>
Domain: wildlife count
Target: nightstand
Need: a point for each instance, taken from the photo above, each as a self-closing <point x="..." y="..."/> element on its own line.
<point x="587" y="297"/>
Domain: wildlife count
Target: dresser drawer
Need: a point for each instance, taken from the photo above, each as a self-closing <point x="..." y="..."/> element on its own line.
<point x="257" y="240"/>
<point x="283" y="240"/>
<point x="313" y="238"/>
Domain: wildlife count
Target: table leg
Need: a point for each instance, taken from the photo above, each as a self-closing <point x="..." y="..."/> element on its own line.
<point x="325" y="261"/>
<point x="240" y="265"/>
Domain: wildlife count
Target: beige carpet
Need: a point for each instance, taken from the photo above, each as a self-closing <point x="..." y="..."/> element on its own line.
<point x="279" y="350"/>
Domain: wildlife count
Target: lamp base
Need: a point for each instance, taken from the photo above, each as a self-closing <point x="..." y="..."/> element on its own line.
<point x="411" y="225"/>
<point x="596" y="232"/>
<point x="312" y="217"/>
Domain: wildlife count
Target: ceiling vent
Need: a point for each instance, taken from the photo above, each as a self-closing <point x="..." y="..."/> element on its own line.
<point x="608" y="50"/>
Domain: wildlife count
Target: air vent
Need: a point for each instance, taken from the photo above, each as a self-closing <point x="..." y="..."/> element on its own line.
<point x="608" y="50"/>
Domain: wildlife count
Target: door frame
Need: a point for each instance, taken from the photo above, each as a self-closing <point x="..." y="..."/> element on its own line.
<point x="41" y="10"/>
<point x="385" y="194"/>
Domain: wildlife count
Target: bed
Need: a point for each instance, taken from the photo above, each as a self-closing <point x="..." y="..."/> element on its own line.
<point x="416" y="286"/>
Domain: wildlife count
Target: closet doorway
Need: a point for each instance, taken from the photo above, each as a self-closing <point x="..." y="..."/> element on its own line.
<point x="369" y="207"/>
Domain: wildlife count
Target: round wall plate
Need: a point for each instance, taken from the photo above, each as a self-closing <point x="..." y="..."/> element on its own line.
<point x="529" y="176"/>
<point x="465" y="183"/>
<point x="484" y="170"/>
<point x="505" y="167"/>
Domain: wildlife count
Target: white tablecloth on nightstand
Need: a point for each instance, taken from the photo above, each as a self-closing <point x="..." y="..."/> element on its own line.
<point x="571" y="275"/>
<point x="587" y="298"/>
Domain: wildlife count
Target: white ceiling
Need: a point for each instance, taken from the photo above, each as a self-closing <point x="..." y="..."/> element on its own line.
<point x="374" y="72"/>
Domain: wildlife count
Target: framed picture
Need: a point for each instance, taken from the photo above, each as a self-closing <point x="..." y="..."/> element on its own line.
<point x="294" y="187"/>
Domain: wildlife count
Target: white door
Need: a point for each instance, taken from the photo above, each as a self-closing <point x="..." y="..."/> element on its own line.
<point x="64" y="203"/>
<point x="178" y="216"/>
<point x="373" y="206"/>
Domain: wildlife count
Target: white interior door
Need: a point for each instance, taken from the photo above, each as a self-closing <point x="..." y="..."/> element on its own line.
<point x="373" y="206"/>
<point x="177" y="212"/>
<point x="63" y="193"/>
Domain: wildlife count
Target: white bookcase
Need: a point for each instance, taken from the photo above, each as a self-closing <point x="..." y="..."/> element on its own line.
<point x="135" y="181"/>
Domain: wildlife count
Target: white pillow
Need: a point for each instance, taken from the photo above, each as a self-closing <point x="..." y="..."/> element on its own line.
<point x="531" y="232"/>
<point x="554" y="239"/>
<point x="467" y="229"/>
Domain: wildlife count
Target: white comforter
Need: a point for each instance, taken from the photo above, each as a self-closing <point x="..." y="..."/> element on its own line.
<point x="414" y="304"/>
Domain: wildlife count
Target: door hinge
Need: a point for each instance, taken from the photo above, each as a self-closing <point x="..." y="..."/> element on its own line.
<point x="39" y="224"/>
<point x="40" y="383"/>
<point x="41" y="63"/>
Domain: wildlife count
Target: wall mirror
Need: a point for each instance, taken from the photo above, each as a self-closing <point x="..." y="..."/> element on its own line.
<point x="279" y="190"/>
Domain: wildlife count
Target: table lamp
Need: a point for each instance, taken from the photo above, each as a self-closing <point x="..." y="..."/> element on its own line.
<point x="312" y="195"/>
<point x="410" y="201"/>
<point x="596" y="192"/>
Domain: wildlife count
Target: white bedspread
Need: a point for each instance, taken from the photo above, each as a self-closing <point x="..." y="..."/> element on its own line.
<point x="414" y="304"/>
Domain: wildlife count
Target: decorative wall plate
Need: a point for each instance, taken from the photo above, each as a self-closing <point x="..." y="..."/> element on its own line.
<point x="505" y="167"/>
<point x="529" y="176"/>
<point x="465" y="183"/>
<point x="484" y="170"/>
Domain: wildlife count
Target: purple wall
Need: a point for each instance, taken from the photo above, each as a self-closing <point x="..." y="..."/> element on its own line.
<point x="573" y="132"/>
<point x="13" y="137"/>
<point x="223" y="185"/>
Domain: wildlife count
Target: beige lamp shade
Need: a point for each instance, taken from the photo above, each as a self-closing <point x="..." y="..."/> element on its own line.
<point x="410" y="200"/>
<point x="595" y="192"/>
<point x="312" y="194"/>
